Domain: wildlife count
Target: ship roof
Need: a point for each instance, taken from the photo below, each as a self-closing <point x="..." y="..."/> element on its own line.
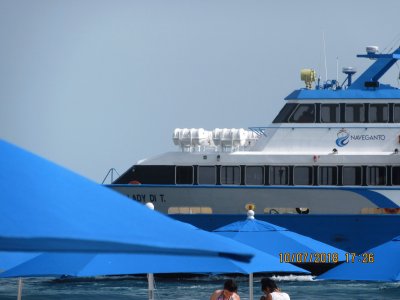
<point x="378" y="93"/>
<point x="366" y="86"/>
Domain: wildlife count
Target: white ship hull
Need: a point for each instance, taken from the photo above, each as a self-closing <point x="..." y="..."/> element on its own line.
<point x="265" y="200"/>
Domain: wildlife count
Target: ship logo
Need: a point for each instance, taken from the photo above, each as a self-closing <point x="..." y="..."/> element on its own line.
<point x="342" y="138"/>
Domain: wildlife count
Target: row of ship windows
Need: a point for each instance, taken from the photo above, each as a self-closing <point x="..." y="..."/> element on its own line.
<point x="339" y="113"/>
<point x="289" y="175"/>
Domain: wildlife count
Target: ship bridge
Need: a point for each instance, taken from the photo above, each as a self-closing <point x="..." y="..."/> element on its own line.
<point x="366" y="86"/>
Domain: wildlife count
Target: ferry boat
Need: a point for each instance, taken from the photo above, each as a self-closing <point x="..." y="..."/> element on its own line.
<point x="328" y="166"/>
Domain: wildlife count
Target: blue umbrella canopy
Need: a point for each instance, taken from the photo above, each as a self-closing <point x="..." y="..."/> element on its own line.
<point x="45" y="207"/>
<point x="9" y="260"/>
<point x="278" y="241"/>
<point x="381" y="263"/>
<point x="89" y="264"/>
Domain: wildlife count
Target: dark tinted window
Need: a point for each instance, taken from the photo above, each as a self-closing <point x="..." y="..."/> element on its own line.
<point x="230" y="175"/>
<point x="184" y="175"/>
<point x="255" y="175"/>
<point x="207" y="175"/>
<point x="376" y="175"/>
<point x="330" y="113"/>
<point x="148" y="174"/>
<point x="279" y="175"/>
<point x="327" y="176"/>
<point x="355" y="113"/>
<point x="304" y="113"/>
<point x="396" y="113"/>
<point x="303" y="176"/>
<point x="396" y="175"/>
<point x="285" y="113"/>
<point x="352" y="175"/>
<point x="378" y="113"/>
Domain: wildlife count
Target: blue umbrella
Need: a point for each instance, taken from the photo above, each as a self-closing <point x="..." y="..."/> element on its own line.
<point x="9" y="260"/>
<point x="45" y="207"/>
<point x="90" y="264"/>
<point x="278" y="241"/>
<point x="381" y="263"/>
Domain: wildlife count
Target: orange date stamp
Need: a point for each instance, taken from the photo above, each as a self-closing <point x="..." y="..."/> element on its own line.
<point x="322" y="257"/>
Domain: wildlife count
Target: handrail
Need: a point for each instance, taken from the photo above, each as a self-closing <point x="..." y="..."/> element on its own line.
<point x="110" y="173"/>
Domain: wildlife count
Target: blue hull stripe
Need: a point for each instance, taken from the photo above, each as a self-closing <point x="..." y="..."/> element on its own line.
<point x="378" y="199"/>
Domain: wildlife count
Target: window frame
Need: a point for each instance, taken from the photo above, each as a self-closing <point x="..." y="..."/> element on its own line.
<point x="367" y="177"/>
<point x="346" y="105"/>
<point x="206" y="166"/>
<point x="262" y="175"/>
<point x="394" y="113"/>
<point x="184" y="166"/>
<point x="319" y="175"/>
<point x="362" y="175"/>
<point x="230" y="166"/>
<point x="391" y="177"/>
<point x="295" y="110"/>
<point x="381" y="104"/>
<point x="303" y="166"/>
<point x="270" y="177"/>
<point x="330" y="104"/>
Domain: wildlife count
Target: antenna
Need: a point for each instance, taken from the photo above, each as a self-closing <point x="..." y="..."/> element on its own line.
<point x="392" y="44"/>
<point x="326" y="69"/>
<point x="337" y="68"/>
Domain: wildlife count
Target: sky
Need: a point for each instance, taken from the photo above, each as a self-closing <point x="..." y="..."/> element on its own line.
<point x="95" y="84"/>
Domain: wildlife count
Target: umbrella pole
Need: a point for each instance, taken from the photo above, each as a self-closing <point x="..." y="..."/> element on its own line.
<point x="150" y="279"/>
<point x="19" y="288"/>
<point x="251" y="296"/>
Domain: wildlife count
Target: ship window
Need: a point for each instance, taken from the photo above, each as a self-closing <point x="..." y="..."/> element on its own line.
<point x="303" y="175"/>
<point x="378" y="113"/>
<point x="279" y="175"/>
<point x="352" y="175"/>
<point x="376" y="175"/>
<point x="396" y="175"/>
<point x="355" y="113"/>
<point x="207" y="175"/>
<point x="327" y="176"/>
<point x="148" y="174"/>
<point x="304" y="113"/>
<point x="396" y="113"/>
<point x="254" y="175"/>
<point x="285" y="113"/>
<point x="330" y="113"/>
<point x="184" y="175"/>
<point x="230" y="175"/>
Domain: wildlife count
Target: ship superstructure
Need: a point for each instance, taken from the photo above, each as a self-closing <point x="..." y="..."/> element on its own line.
<point x="333" y="149"/>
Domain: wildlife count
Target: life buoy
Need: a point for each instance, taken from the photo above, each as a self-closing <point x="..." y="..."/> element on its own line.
<point x="135" y="182"/>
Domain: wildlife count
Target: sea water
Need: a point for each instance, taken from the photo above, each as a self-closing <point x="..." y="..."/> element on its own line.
<point x="135" y="288"/>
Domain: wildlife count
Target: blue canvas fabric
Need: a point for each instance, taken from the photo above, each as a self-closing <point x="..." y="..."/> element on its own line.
<point x="9" y="260"/>
<point x="250" y="225"/>
<point x="384" y="267"/>
<point x="88" y="264"/>
<point x="275" y="240"/>
<point x="45" y="207"/>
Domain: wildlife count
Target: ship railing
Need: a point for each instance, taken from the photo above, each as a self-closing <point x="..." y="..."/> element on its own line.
<point x="110" y="174"/>
<point x="259" y="131"/>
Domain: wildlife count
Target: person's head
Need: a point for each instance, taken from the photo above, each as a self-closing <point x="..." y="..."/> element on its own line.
<point x="268" y="285"/>
<point x="230" y="287"/>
